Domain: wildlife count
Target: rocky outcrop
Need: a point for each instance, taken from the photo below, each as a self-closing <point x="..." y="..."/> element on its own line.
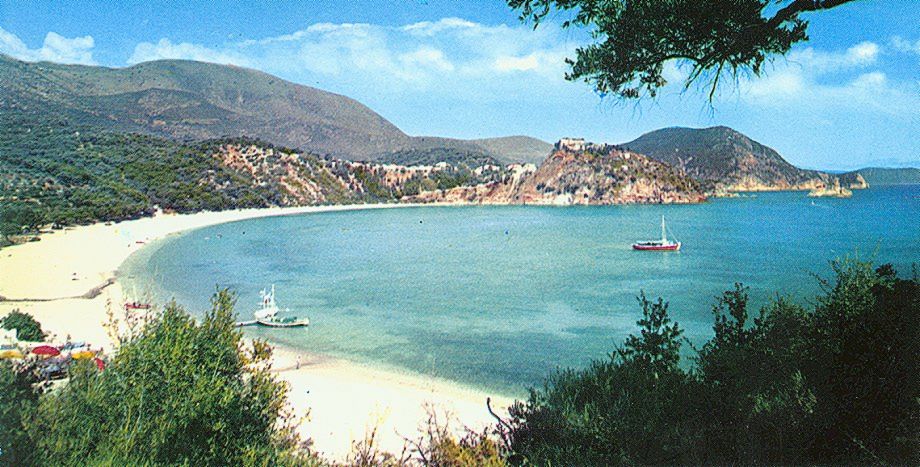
<point x="296" y="179"/>
<point x="834" y="190"/>
<point x="596" y="175"/>
<point x="854" y="180"/>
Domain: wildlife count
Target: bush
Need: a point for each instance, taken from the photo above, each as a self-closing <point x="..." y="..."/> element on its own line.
<point x="27" y="329"/>
<point x="18" y="401"/>
<point x="835" y="384"/>
<point x="437" y="446"/>
<point x="177" y="393"/>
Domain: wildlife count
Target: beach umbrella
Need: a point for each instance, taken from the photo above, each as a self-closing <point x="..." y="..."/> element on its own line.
<point x="99" y="363"/>
<point x="82" y="355"/>
<point x="46" y="350"/>
<point x="10" y="353"/>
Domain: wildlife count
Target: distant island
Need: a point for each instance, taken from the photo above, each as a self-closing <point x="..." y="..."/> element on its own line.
<point x="890" y="176"/>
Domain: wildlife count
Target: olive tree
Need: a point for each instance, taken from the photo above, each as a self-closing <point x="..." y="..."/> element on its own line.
<point x="632" y="40"/>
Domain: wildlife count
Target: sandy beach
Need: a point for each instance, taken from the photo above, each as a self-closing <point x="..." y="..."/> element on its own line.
<point x="68" y="281"/>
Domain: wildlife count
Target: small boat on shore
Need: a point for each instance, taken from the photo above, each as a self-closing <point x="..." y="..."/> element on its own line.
<point x="291" y="322"/>
<point x="138" y="306"/>
<point x="267" y="314"/>
<point x="658" y="245"/>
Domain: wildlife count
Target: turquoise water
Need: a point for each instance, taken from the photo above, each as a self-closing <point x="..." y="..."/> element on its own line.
<point x="497" y="297"/>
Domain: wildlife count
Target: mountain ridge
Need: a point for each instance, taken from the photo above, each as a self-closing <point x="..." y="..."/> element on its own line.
<point x="189" y="100"/>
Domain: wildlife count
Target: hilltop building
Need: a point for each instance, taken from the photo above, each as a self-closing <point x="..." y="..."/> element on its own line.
<point x="571" y="144"/>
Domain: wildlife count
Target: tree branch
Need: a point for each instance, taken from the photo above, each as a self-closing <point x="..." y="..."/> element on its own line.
<point x="801" y="6"/>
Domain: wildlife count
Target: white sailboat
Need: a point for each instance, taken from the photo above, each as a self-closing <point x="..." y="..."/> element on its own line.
<point x="658" y="245"/>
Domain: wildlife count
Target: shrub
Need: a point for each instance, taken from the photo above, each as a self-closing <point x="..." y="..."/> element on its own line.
<point x="437" y="445"/>
<point x="18" y="400"/>
<point x="177" y="393"/>
<point x="27" y="329"/>
<point x="835" y="384"/>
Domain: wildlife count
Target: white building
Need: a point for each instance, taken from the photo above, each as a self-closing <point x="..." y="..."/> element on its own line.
<point x="571" y="144"/>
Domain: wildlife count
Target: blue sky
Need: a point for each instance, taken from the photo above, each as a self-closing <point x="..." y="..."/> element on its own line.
<point x="468" y="69"/>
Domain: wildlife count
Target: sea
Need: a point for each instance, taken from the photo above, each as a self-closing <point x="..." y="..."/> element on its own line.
<point x="500" y="297"/>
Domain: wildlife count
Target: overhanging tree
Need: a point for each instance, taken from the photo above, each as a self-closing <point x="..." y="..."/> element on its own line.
<point x="634" y="39"/>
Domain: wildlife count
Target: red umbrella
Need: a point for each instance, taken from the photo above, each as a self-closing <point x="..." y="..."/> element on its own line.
<point x="99" y="363"/>
<point x="46" y="350"/>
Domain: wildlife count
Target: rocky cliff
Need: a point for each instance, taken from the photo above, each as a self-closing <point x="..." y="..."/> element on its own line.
<point x="833" y="190"/>
<point x="596" y="175"/>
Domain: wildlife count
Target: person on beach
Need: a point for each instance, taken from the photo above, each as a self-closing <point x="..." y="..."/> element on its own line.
<point x="298" y="363"/>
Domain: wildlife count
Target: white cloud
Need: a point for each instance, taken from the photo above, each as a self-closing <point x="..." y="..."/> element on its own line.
<point x="452" y="55"/>
<point x="904" y="45"/>
<point x="808" y="73"/>
<point x="785" y="83"/>
<point x="814" y="61"/>
<point x="427" y="57"/>
<point x="55" y="48"/>
<point x="874" y="79"/>
<point x="845" y="81"/>
<point x="505" y="63"/>
<point x="430" y="28"/>
<point x="864" y="52"/>
<point x="166" y="49"/>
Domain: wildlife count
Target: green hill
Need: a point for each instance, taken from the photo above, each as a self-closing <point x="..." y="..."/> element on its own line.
<point x="723" y="158"/>
<point x="890" y="176"/>
<point x="52" y="172"/>
<point x="194" y="100"/>
<point x="187" y="100"/>
<point x="517" y="148"/>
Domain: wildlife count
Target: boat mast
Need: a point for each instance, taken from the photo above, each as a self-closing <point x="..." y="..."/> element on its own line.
<point x="664" y="237"/>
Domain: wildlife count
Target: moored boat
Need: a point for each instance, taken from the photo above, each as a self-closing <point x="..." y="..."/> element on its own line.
<point x="267" y="314"/>
<point x="268" y="308"/>
<point x="291" y="322"/>
<point x="658" y="245"/>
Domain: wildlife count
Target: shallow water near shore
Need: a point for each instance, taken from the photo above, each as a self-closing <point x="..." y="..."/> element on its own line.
<point x="497" y="297"/>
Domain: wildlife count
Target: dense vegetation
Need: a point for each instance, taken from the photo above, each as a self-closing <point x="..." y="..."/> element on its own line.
<point x="55" y="173"/>
<point x="455" y="157"/>
<point x="176" y="393"/>
<point x="27" y="329"/>
<point x="836" y="383"/>
<point x="179" y="392"/>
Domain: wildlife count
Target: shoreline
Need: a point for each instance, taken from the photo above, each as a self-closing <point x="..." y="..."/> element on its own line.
<point x="69" y="280"/>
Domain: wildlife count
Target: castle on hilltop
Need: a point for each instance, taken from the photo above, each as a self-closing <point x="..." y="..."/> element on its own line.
<point x="571" y="144"/>
<point x="580" y="145"/>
